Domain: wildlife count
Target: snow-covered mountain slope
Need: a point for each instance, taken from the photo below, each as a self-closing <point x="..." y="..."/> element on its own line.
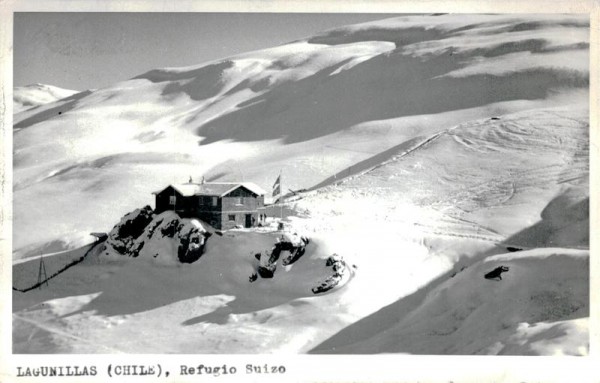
<point x="529" y="312"/>
<point x="446" y="202"/>
<point x="27" y="97"/>
<point x="156" y="305"/>
<point x="432" y="147"/>
<point x="311" y="108"/>
<point x="540" y="306"/>
<point x="484" y="179"/>
<point x="444" y="305"/>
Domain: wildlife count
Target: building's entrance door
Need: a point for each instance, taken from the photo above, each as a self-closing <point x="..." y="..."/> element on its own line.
<point x="248" y="220"/>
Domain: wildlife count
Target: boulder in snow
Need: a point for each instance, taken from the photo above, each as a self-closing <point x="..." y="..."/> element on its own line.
<point x="122" y="237"/>
<point x="167" y="236"/>
<point x="340" y="271"/>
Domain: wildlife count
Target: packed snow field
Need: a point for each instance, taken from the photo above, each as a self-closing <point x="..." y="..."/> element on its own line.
<point x="432" y="150"/>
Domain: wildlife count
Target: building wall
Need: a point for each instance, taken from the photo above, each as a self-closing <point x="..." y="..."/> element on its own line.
<point x="238" y="204"/>
<point x="212" y="218"/>
<point x="205" y="209"/>
<point x="239" y="219"/>
<point x="163" y="200"/>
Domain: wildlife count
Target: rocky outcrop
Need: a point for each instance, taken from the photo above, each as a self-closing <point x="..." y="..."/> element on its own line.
<point x="294" y="244"/>
<point x="166" y="236"/>
<point x="340" y="269"/>
<point x="192" y="242"/>
<point x="122" y="238"/>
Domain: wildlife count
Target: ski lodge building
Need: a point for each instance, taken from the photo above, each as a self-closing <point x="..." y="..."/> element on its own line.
<point x="223" y="205"/>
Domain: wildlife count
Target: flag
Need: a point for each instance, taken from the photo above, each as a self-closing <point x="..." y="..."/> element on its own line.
<point x="277" y="186"/>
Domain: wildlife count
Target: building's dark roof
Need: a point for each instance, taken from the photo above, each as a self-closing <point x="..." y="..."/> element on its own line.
<point x="213" y="188"/>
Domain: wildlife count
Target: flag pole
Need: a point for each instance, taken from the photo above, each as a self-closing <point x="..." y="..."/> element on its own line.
<point x="277" y="191"/>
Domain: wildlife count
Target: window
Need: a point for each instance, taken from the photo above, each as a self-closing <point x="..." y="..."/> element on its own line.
<point x="172" y="200"/>
<point x="231" y="217"/>
<point x="215" y="201"/>
<point x="239" y="200"/>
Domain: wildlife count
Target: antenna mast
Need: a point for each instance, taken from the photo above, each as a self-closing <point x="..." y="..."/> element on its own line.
<point x="42" y="276"/>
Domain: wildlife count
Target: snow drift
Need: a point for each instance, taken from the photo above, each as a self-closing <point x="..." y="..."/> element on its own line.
<point x="530" y="312"/>
<point x="124" y="293"/>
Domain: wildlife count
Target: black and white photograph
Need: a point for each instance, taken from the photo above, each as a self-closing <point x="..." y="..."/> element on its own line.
<point x="300" y="183"/>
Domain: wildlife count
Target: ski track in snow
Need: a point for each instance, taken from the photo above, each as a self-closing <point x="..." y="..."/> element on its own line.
<point x="93" y="344"/>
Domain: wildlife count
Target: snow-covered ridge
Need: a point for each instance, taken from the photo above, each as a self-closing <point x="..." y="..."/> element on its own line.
<point x="26" y="97"/>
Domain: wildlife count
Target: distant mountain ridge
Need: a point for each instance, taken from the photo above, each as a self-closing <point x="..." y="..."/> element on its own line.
<point x="29" y="96"/>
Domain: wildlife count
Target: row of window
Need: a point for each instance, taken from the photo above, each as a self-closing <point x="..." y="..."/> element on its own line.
<point x="214" y="201"/>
